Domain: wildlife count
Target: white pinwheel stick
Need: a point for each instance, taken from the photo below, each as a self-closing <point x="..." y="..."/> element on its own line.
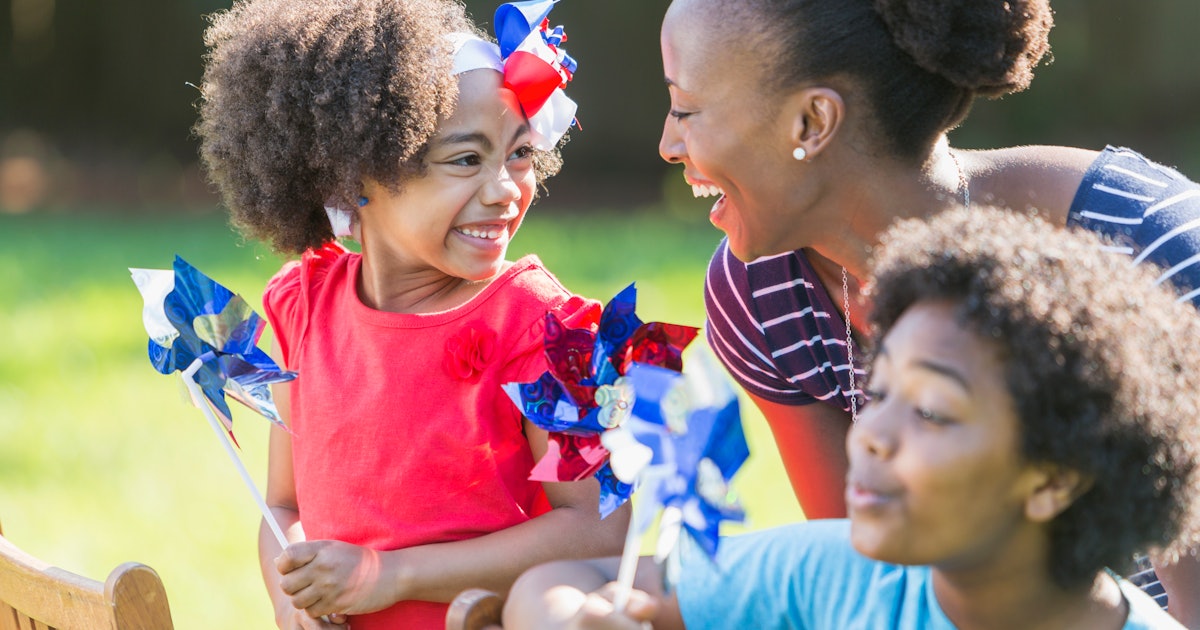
<point x="630" y="463"/>
<point x="189" y="380"/>
<point x="629" y="560"/>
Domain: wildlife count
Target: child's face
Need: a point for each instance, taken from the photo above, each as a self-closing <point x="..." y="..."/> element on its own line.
<point x="458" y="218"/>
<point x="936" y="475"/>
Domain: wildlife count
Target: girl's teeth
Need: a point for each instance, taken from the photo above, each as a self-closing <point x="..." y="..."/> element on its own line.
<point x="488" y="234"/>
<point x="703" y="190"/>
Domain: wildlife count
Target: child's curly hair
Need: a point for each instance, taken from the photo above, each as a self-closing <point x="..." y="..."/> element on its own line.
<point x="303" y="100"/>
<point x="1103" y="366"/>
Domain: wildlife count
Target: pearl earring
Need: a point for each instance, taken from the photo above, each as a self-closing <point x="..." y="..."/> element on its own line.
<point x="799" y="153"/>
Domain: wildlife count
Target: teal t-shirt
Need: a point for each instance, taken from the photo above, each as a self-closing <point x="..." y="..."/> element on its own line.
<point x="807" y="576"/>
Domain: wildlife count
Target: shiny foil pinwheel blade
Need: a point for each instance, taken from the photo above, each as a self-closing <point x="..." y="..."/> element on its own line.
<point x="191" y="318"/>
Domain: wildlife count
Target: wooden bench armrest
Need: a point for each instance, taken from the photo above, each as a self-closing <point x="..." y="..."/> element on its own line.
<point x="36" y="594"/>
<point x="475" y="609"/>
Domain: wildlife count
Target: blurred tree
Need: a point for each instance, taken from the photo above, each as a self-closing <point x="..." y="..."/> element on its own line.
<point x="1123" y="73"/>
<point x="102" y="84"/>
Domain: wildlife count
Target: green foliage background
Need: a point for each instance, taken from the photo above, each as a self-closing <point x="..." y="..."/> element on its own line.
<point x="101" y="87"/>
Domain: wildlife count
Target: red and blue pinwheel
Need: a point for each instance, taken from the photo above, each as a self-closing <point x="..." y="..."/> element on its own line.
<point x="191" y="318"/>
<point x="585" y="392"/>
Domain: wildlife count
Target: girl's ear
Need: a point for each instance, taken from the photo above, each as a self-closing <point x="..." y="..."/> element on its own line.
<point x="816" y="116"/>
<point x="1054" y="489"/>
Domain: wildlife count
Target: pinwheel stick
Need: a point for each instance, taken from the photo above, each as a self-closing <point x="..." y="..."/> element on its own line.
<point x="189" y="381"/>
<point x="629" y="560"/>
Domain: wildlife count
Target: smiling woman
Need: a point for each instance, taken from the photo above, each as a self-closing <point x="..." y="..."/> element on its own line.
<point x="818" y="123"/>
<point x="1018" y="443"/>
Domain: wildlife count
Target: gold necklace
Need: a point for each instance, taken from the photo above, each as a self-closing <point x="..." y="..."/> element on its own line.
<point x="965" y="189"/>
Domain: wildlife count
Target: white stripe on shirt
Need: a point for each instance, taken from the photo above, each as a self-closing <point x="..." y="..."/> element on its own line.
<point x="1121" y="193"/>
<point x="781" y="287"/>
<point x="805" y="343"/>
<point x="1170" y="201"/>
<point x="1137" y="176"/>
<point x="721" y="349"/>
<point x="1176" y="269"/>
<point x="1109" y="218"/>
<point x="1190" y="225"/>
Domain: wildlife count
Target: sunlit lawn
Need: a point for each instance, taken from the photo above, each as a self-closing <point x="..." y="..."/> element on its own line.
<point x="102" y="462"/>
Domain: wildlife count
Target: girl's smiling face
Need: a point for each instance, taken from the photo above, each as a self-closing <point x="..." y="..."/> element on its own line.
<point x="459" y="217"/>
<point x="936" y="474"/>
<point x="727" y="131"/>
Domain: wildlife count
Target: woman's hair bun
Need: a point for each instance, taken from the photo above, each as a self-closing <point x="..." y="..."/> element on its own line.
<point x="987" y="46"/>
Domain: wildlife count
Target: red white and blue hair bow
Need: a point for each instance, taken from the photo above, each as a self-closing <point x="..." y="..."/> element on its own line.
<point x="535" y="68"/>
<point x="534" y="65"/>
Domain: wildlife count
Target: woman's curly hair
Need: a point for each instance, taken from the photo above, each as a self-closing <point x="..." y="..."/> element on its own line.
<point x="918" y="63"/>
<point x="1103" y="367"/>
<point x="303" y="100"/>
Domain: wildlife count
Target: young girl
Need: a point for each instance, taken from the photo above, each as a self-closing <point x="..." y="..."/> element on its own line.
<point x="407" y="467"/>
<point x="1019" y="440"/>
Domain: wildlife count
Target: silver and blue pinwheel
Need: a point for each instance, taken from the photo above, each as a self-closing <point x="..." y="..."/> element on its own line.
<point x="680" y="449"/>
<point x="210" y="336"/>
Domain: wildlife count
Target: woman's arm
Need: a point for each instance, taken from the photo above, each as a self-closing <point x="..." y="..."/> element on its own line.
<point x="812" y="444"/>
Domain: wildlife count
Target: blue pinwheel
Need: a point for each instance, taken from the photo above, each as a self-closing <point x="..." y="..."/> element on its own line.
<point x="585" y="394"/>
<point x="680" y="448"/>
<point x="191" y="318"/>
<point x="209" y="335"/>
<point x="689" y="431"/>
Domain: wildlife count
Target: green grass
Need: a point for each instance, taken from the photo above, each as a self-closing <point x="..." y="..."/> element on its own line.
<point x="101" y="461"/>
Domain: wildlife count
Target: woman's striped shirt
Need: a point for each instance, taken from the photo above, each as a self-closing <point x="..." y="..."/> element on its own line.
<point x="777" y="330"/>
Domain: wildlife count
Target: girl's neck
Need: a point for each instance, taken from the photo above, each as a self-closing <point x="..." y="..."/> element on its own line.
<point x="1026" y="597"/>
<point x="421" y="291"/>
<point x="874" y="193"/>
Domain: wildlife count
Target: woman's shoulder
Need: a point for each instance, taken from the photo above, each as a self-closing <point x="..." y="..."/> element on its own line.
<point x="1039" y="177"/>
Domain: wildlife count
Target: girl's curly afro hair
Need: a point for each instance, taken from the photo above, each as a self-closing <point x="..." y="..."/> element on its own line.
<point x="1103" y="366"/>
<point x="302" y="100"/>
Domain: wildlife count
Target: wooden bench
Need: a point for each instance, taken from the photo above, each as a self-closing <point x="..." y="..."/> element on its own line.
<point x="475" y="609"/>
<point x="37" y="596"/>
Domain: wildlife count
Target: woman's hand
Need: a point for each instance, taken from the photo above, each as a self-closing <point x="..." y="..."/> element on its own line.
<point x="324" y="577"/>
